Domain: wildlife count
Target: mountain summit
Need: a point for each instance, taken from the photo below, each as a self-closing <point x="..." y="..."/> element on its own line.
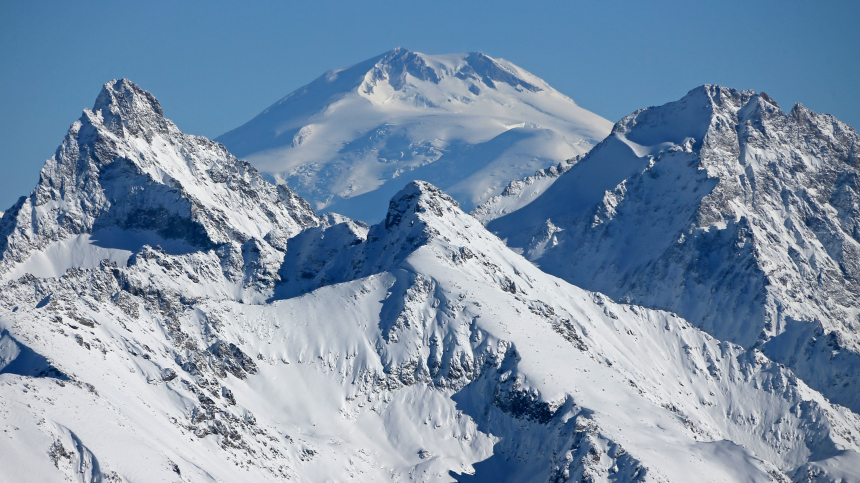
<point x="125" y="176"/>
<point x="723" y="208"/>
<point x="466" y="122"/>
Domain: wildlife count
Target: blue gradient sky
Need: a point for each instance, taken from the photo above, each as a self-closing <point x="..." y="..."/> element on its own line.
<point x="214" y="65"/>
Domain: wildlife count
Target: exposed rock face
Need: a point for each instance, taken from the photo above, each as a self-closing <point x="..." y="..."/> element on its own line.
<point x="726" y="210"/>
<point x="128" y="175"/>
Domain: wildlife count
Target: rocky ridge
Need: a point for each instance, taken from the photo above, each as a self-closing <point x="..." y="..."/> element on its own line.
<point x="724" y="209"/>
<point x="125" y="176"/>
<point x="420" y="348"/>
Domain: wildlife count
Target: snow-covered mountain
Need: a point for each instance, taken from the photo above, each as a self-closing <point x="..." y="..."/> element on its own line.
<point x="468" y="123"/>
<point x="260" y="342"/>
<point x="125" y="176"/>
<point x="721" y="207"/>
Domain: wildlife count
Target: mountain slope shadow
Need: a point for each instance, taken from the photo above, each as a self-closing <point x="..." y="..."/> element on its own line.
<point x="17" y="358"/>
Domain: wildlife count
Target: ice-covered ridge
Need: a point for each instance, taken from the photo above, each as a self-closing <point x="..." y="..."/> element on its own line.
<point x="418" y="349"/>
<point x="727" y="210"/>
<point x="465" y="122"/>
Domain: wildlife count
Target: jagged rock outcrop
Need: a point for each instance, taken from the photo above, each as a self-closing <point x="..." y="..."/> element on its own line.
<point x="125" y="176"/>
<point x="420" y="348"/>
<point x="724" y="209"/>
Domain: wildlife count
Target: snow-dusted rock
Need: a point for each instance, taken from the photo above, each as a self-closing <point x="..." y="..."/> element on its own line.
<point x="726" y="210"/>
<point x="417" y="349"/>
<point x="468" y="123"/>
<point x="521" y="192"/>
<point x="125" y="176"/>
<point x="426" y="351"/>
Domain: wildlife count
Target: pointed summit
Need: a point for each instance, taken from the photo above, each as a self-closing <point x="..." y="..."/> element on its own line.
<point x="475" y="67"/>
<point x="126" y="109"/>
<point x="125" y="170"/>
<point x="692" y="116"/>
<point x="395" y="65"/>
<point x="418" y="197"/>
<point x="420" y="347"/>
<point x="726" y="210"/>
<point x="124" y="96"/>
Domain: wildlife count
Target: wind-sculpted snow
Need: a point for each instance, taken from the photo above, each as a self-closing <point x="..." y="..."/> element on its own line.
<point x="468" y="123"/>
<point x="723" y="208"/>
<point x="426" y="218"/>
<point x="445" y="327"/>
<point x="420" y="348"/>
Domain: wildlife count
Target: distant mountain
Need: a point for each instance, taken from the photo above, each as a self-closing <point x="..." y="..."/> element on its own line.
<point x="468" y="123"/>
<point x="741" y="218"/>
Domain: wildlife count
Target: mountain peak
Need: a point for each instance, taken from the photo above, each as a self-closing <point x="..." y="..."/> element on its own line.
<point x="490" y="72"/>
<point x="473" y="66"/>
<point x="766" y="97"/>
<point x="259" y="342"/>
<point x="125" y="95"/>
<point x="728" y="201"/>
<point x="353" y="137"/>
<point x="397" y="51"/>
<point x="692" y="116"/>
<point x="124" y="168"/>
<point x="124" y="106"/>
<point x="715" y="94"/>
<point x="418" y="197"/>
<point x="396" y="64"/>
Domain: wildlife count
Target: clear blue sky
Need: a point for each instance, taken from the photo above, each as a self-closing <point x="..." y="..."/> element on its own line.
<point x="214" y="65"/>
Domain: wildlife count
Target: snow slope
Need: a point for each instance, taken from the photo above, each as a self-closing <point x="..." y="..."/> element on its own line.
<point x="443" y="356"/>
<point x="520" y="192"/>
<point x="726" y="210"/>
<point x="468" y="123"/>
<point x="417" y="349"/>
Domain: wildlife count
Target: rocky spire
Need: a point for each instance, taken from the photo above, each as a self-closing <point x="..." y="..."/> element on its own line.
<point x="126" y="109"/>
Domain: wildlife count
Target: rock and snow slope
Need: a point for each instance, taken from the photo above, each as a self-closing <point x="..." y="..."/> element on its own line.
<point x="417" y="349"/>
<point x="520" y="192"/>
<point x="468" y="123"/>
<point x="125" y="176"/>
<point x="726" y="210"/>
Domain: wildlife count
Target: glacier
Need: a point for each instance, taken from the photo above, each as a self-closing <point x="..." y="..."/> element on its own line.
<point x="467" y="123"/>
